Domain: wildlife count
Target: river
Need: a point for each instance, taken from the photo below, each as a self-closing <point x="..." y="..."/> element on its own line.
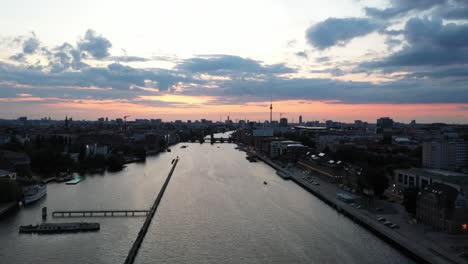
<point x="216" y="209"/>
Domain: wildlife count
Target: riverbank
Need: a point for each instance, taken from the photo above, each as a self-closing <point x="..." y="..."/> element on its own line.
<point x="6" y="208"/>
<point x="404" y="239"/>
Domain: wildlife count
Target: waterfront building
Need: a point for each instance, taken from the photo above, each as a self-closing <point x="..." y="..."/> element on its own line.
<point x="443" y="207"/>
<point x="422" y="177"/>
<point x="448" y="155"/>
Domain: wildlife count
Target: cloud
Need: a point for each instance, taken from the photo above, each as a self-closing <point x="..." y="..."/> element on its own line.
<point x="338" y="31"/>
<point x="430" y="43"/>
<point x="128" y="59"/>
<point x="30" y="45"/>
<point x="445" y="72"/>
<point x="323" y="89"/>
<point x="95" y="45"/>
<point x="230" y="65"/>
<point x="302" y="54"/>
<point x="322" y="59"/>
<point x="402" y="7"/>
<point x="455" y="10"/>
<point x="65" y="57"/>
<point x="333" y="71"/>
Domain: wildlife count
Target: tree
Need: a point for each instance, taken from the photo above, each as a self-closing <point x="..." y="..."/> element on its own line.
<point x="410" y="200"/>
<point x="115" y="162"/>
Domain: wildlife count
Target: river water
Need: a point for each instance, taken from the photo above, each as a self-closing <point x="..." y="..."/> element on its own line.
<point x="216" y="209"/>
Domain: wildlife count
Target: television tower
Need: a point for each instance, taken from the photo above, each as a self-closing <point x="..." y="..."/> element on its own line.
<point x="271" y="109"/>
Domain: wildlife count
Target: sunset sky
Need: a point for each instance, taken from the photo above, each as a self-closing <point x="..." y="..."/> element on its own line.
<point x="181" y="59"/>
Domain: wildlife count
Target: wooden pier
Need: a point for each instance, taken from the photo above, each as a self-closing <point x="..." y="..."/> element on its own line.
<point x="100" y="213"/>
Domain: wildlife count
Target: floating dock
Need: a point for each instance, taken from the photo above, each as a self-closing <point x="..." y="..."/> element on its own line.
<point x="54" y="228"/>
<point x="74" y="181"/>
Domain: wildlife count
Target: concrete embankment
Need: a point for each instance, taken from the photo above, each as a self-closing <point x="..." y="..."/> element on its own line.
<point x="144" y="229"/>
<point x="407" y="246"/>
<point x="377" y="230"/>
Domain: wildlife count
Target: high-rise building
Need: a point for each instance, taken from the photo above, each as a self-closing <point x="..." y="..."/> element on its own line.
<point x="384" y="124"/>
<point x="300" y="120"/>
<point x="283" y="122"/>
<point x="448" y="155"/>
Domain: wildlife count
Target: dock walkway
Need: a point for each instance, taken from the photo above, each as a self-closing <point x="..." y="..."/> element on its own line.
<point x="100" y="213"/>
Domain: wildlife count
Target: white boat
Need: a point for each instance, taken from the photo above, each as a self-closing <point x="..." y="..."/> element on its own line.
<point x="34" y="193"/>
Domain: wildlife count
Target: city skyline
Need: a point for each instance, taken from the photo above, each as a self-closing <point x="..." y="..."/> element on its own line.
<point x="185" y="60"/>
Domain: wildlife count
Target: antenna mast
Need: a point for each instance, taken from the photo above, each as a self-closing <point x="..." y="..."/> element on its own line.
<point x="271" y="109"/>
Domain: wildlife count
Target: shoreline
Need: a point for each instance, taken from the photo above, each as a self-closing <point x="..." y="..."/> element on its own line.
<point x="7" y="208"/>
<point x="410" y="248"/>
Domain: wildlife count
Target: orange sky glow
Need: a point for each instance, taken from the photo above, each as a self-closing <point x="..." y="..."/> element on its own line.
<point x="193" y="108"/>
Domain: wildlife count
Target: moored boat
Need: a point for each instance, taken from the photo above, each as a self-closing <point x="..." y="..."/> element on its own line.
<point x="34" y="193"/>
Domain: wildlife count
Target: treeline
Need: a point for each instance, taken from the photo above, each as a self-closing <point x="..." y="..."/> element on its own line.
<point x="49" y="156"/>
<point x="377" y="166"/>
<point x="10" y="191"/>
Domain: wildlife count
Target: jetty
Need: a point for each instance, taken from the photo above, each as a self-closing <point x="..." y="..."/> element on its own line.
<point x="100" y="213"/>
<point x="75" y="181"/>
<point x="144" y="229"/>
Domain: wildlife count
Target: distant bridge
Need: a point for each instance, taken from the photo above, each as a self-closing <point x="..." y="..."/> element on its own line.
<point x="212" y="140"/>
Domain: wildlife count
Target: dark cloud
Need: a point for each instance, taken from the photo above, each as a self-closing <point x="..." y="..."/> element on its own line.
<point x="406" y="91"/>
<point x="402" y="7"/>
<point x="76" y="83"/>
<point x="230" y="65"/>
<point x="431" y="43"/>
<point x="95" y="45"/>
<point x="454" y="10"/>
<point x="444" y="72"/>
<point x="338" y="31"/>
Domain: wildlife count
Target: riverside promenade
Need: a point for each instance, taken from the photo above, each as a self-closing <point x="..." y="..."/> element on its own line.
<point x="404" y="239"/>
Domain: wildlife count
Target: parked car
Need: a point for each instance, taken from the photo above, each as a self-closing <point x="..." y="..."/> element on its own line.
<point x="394" y="226"/>
<point x="388" y="223"/>
<point x="381" y="219"/>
